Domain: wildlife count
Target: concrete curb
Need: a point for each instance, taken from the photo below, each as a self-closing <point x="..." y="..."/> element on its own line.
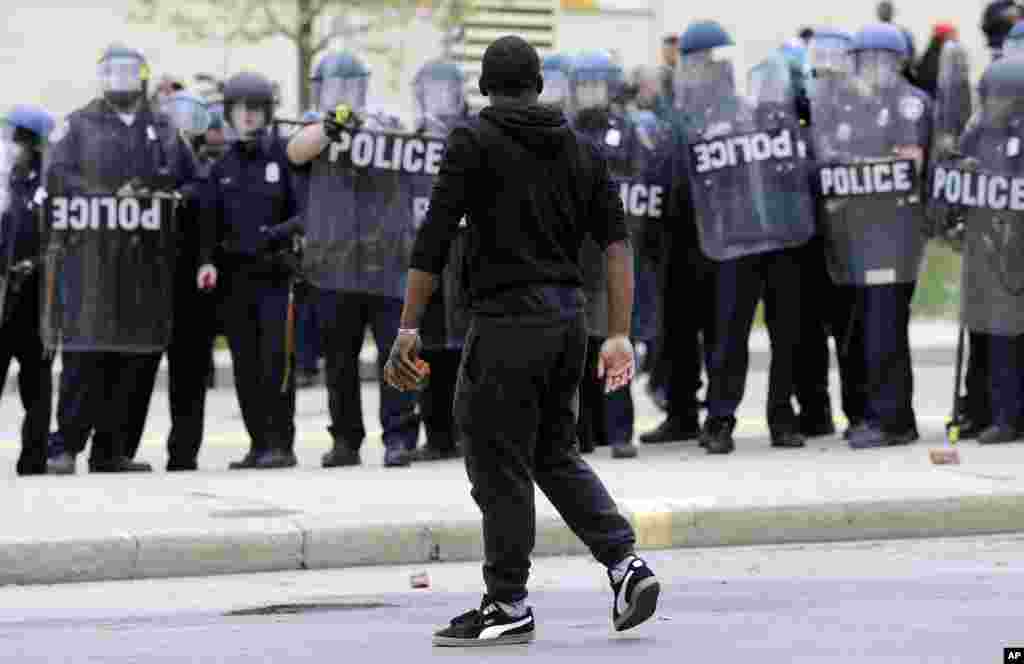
<point x="279" y="544"/>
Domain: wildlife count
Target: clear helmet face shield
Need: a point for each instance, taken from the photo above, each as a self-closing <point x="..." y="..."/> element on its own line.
<point x="438" y="98"/>
<point x="1013" y="47"/>
<point x="879" y="69"/>
<point x="770" y="83"/>
<point x="556" y="88"/>
<point x="10" y="154"/>
<point x="188" y="115"/>
<point x="248" y="119"/>
<point x="829" y="55"/>
<point x="702" y="76"/>
<point x="332" y="91"/>
<point x="589" y="93"/>
<point x="122" y="79"/>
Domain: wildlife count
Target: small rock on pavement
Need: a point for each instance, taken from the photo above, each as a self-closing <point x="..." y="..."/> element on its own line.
<point x="420" y="580"/>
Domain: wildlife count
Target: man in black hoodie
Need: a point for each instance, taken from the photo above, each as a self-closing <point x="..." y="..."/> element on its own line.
<point x="531" y="189"/>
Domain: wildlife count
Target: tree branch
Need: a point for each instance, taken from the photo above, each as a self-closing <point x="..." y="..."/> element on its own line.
<point x="275" y="23"/>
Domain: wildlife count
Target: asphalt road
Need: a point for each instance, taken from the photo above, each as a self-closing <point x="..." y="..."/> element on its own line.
<point x="955" y="600"/>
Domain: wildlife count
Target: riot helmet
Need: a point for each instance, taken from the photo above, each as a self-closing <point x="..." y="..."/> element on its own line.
<point x="248" y="104"/>
<point x="188" y="113"/>
<point x="23" y="134"/>
<point x="555" y="70"/>
<point x="594" y="81"/>
<point x="880" y="52"/>
<point x="1001" y="92"/>
<point x="439" y="93"/>
<point x="123" y="76"/>
<point x="997" y="21"/>
<point x="771" y="81"/>
<point x="340" y="78"/>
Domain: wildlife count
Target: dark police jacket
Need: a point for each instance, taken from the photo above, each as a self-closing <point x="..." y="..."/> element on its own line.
<point x="531" y="190"/>
<point x="96" y="152"/>
<point x="249" y="188"/>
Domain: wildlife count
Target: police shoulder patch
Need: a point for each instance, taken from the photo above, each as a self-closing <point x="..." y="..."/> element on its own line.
<point x="58" y="134"/>
<point x="911" y="108"/>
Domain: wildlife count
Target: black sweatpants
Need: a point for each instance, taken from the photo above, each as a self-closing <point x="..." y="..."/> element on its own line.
<point x="515" y="405"/>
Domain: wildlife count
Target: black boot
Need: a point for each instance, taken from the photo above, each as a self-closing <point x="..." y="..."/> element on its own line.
<point x="673" y="429"/>
<point x="120" y="465"/>
<point x="342" y="454"/>
<point x="717" y="435"/>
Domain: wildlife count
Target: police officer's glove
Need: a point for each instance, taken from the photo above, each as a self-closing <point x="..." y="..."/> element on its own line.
<point x="132" y="187"/>
<point x="404" y="370"/>
<point x="206" y="279"/>
<point x="616" y="363"/>
<point x="340" y="119"/>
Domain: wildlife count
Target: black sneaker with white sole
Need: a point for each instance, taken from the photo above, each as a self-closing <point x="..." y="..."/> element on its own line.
<point x="487" y="626"/>
<point x="636" y="595"/>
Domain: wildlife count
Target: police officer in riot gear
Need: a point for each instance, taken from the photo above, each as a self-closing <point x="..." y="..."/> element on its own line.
<point x="594" y="80"/>
<point x="440" y="104"/>
<point x="752" y="216"/>
<point x="341" y="79"/>
<point x="556" y="69"/>
<point x="119" y="144"/>
<point x="997" y="21"/>
<point x="23" y="138"/>
<point x="195" y="326"/>
<point x="972" y="186"/>
<point x="248" y="192"/>
<point x="875" y="236"/>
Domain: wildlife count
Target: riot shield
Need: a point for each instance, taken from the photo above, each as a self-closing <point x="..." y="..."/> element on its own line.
<point x="360" y="215"/>
<point x="748" y="164"/>
<point x="7" y="230"/>
<point x="870" y="146"/>
<point x="987" y="192"/>
<point x="952" y="97"/>
<point x="108" y="272"/>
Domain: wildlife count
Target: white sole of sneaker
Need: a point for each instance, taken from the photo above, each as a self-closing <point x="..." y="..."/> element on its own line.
<point x="643" y="606"/>
<point x="510" y="640"/>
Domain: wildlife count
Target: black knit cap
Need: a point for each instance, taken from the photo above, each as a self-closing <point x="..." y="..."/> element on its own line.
<point x="510" y="66"/>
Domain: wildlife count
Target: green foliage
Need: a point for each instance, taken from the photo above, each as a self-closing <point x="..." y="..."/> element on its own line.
<point x="938" y="289"/>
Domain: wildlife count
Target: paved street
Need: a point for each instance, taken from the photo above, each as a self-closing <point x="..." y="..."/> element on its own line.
<point x="939" y="600"/>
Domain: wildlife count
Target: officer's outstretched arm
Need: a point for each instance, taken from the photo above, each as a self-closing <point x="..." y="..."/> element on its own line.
<point x="307" y="144"/>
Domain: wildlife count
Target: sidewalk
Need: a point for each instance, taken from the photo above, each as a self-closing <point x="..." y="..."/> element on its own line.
<point x="91" y="527"/>
<point x="933" y="343"/>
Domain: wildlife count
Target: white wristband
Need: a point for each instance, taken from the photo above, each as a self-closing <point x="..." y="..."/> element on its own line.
<point x="410" y="330"/>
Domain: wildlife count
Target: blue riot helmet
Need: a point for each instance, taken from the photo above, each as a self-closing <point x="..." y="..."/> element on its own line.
<point x="555" y="69"/>
<point x="828" y="52"/>
<point x="705" y="69"/>
<point x="189" y="113"/>
<point x="703" y="36"/>
<point x="880" y="51"/>
<point x="1014" y="43"/>
<point x="123" y="76"/>
<point x="594" y="80"/>
<point x="248" y="104"/>
<point x="30" y="124"/>
<point x="1001" y="92"/>
<point x="439" y="93"/>
<point x="340" y="78"/>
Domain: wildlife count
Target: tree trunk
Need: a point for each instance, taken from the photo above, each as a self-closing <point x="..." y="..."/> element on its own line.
<point x="304" y="47"/>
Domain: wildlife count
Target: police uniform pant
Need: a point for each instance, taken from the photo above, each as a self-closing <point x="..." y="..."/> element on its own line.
<point x="848" y="327"/>
<point x="978" y="401"/>
<point x="437" y="400"/>
<point x="345" y="316"/>
<point x="515" y="405"/>
<point x="188" y="368"/>
<point x="1006" y="379"/>
<point x="20" y="340"/>
<point x="253" y="300"/>
<point x="688" y="308"/>
<point x="107" y="395"/>
<point x="739" y="285"/>
<point x="889" y="378"/>
<point x="811" y="372"/>
<point x="604" y="418"/>
<point x="307" y="334"/>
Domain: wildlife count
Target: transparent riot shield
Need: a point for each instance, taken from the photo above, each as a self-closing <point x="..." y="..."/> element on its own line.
<point x="984" y="190"/>
<point x="360" y="219"/>
<point x="749" y="164"/>
<point x="108" y="272"/>
<point x="870" y="143"/>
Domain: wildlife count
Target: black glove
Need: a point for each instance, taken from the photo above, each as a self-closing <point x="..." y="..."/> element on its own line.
<point x="280" y="236"/>
<point x="340" y="119"/>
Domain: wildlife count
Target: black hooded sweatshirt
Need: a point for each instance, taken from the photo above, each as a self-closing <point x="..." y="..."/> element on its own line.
<point x="530" y="189"/>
